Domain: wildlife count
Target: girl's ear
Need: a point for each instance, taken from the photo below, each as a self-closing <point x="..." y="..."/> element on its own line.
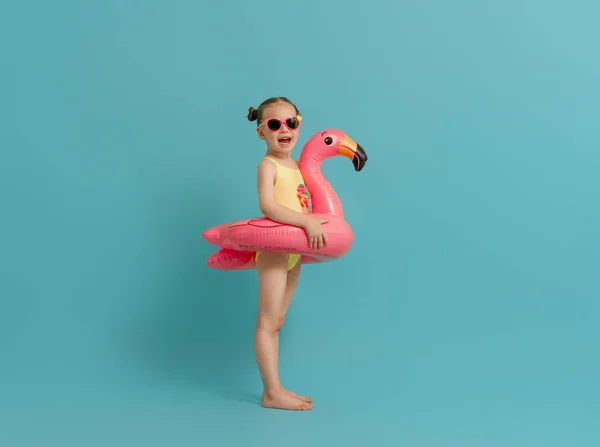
<point x="260" y="133"/>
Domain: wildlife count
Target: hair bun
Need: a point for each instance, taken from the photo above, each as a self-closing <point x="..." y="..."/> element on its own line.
<point x="252" y="114"/>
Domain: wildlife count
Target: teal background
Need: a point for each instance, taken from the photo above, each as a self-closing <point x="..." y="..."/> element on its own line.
<point x="466" y="314"/>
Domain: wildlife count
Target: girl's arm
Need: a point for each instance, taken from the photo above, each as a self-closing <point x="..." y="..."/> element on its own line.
<point x="271" y="209"/>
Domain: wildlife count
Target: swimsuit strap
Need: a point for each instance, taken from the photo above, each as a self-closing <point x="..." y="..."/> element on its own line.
<point x="276" y="163"/>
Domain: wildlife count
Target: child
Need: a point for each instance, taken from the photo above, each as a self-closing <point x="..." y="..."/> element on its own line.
<point x="281" y="195"/>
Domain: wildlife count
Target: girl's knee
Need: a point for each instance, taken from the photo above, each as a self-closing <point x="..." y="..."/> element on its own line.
<point x="280" y="322"/>
<point x="269" y="324"/>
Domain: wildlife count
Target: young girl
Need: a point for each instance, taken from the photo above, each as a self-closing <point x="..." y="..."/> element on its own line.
<point x="283" y="198"/>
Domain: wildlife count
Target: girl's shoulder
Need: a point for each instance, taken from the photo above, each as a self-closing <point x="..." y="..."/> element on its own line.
<point x="267" y="166"/>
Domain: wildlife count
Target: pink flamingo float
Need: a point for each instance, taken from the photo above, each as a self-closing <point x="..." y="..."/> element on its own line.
<point x="240" y="240"/>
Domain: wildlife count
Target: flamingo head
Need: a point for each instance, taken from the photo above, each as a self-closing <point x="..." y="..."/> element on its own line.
<point x="332" y="142"/>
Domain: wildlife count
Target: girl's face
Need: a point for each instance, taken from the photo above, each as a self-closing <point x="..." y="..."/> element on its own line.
<point x="280" y="128"/>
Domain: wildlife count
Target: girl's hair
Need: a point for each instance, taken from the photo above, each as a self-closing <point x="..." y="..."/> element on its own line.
<point x="257" y="114"/>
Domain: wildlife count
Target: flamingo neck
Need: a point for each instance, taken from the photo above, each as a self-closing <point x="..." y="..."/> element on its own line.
<point x="323" y="196"/>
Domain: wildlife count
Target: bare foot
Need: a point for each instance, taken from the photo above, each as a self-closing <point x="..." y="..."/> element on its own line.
<point x="304" y="398"/>
<point x="284" y="400"/>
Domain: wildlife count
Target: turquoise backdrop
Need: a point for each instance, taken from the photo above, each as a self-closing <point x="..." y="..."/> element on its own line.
<point x="466" y="313"/>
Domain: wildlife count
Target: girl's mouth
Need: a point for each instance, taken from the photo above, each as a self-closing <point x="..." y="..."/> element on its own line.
<point x="285" y="140"/>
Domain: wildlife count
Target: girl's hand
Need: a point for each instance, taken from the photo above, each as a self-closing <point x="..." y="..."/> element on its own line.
<point x="316" y="235"/>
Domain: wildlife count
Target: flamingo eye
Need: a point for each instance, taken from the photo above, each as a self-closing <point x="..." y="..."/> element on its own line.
<point x="328" y="141"/>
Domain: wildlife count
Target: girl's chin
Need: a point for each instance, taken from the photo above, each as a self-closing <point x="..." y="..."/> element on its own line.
<point x="285" y="150"/>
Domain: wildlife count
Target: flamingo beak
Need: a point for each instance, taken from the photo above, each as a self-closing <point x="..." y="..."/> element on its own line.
<point x="352" y="150"/>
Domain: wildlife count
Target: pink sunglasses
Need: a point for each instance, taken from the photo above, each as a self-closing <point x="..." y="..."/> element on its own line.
<point x="274" y="124"/>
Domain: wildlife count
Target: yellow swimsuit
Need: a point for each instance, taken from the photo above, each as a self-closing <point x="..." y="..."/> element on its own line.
<point x="291" y="192"/>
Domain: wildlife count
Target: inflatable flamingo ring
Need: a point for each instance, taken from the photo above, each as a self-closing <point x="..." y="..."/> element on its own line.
<point x="239" y="241"/>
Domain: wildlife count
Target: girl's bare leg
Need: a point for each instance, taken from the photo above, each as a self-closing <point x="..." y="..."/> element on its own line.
<point x="272" y="275"/>
<point x="290" y="287"/>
